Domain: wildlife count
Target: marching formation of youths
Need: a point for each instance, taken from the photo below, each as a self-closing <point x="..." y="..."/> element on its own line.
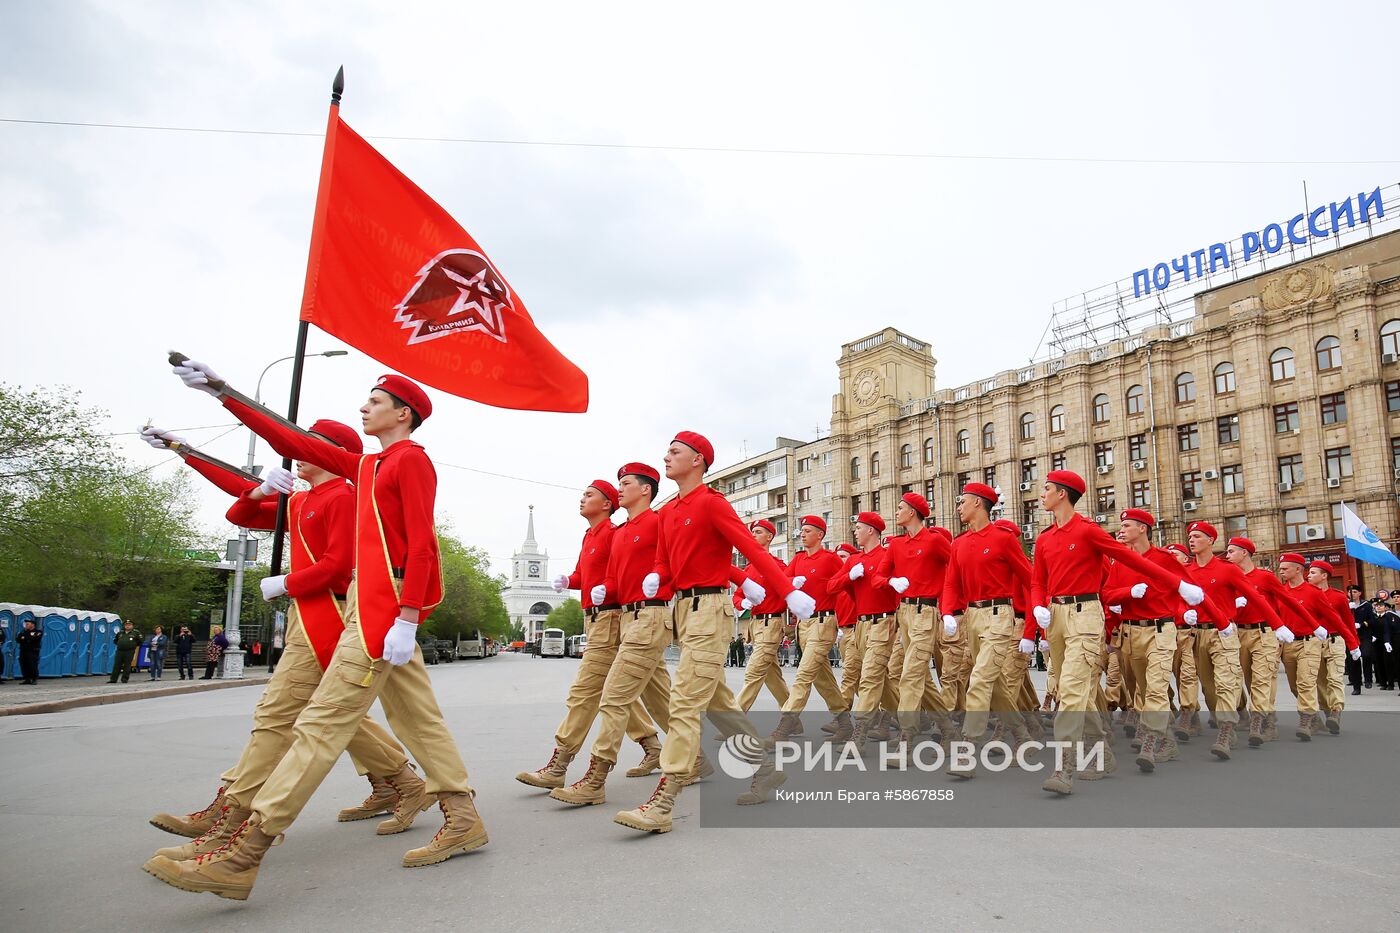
<point x="935" y="632"/>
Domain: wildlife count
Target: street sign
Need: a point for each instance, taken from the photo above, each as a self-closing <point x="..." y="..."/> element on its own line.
<point x="250" y="551"/>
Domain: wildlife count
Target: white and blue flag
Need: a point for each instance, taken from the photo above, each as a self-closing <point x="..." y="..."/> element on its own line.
<point x="1363" y="543"/>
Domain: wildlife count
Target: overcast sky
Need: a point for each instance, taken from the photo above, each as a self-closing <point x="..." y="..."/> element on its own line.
<point x="709" y="291"/>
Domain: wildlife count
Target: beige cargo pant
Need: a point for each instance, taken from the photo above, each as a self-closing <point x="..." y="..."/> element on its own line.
<point x="853" y="656"/>
<point x="1259" y="667"/>
<point x="1076" y="642"/>
<point x="1301" y="659"/>
<point x="350" y="686"/>
<point x="1218" y="667"/>
<point x="1331" y="697"/>
<point x="1148" y="651"/>
<point x="763" y="666"/>
<point x="814" y="670"/>
<point x="994" y="682"/>
<point x="1188" y="685"/>
<point x="638" y="672"/>
<point x="918" y="692"/>
<point x="953" y="659"/>
<point x="586" y="692"/>
<point x="880" y="638"/>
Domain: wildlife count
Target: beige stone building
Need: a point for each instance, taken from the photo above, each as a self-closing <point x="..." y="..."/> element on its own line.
<point x="1275" y="402"/>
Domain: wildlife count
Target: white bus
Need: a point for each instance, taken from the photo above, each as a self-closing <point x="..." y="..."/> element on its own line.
<point x="473" y="646"/>
<point x="577" y="645"/>
<point x="552" y="643"/>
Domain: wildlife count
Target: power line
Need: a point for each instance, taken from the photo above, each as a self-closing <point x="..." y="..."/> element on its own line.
<point x="518" y="479"/>
<point x="725" y="150"/>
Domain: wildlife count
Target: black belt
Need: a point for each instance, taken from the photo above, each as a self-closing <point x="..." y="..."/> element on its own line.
<point x="641" y="604"/>
<point x="919" y="602"/>
<point x="1332" y="635"/>
<point x="873" y="616"/>
<point x="765" y="616"/>
<point x="824" y="614"/>
<point x="700" y="591"/>
<point x="1303" y="637"/>
<point x="594" y="610"/>
<point x="1249" y="625"/>
<point x="397" y="572"/>
<point x="341" y="596"/>
<point x="1078" y="598"/>
<point x="988" y="603"/>
<point x="1145" y="622"/>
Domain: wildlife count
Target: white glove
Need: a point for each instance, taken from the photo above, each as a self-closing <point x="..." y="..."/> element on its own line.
<point x="650" y="584"/>
<point x="1228" y="630"/>
<point x="745" y="603"/>
<point x="1320" y="632"/>
<point x="798" y="582"/>
<point x="1387" y="648"/>
<point x="950" y="626"/>
<point x="1139" y="590"/>
<point x="160" y="439"/>
<point x="1044" y="646"/>
<point x="273" y="587"/>
<point x="1355" y="654"/>
<point x="1189" y="617"/>
<point x="857" y="571"/>
<point x="277" y="481"/>
<point x="561" y="583"/>
<point x="1117" y="610"/>
<point x="899" y="584"/>
<point x="1192" y="593"/>
<point x="1283" y="635"/>
<point x="800" y="604"/>
<point x="1042" y="616"/>
<point x="400" y="642"/>
<point x="197" y="375"/>
<point x="753" y="591"/>
<point x="1241" y="602"/>
<point x="1026" y="646"/>
<point x="597" y="594"/>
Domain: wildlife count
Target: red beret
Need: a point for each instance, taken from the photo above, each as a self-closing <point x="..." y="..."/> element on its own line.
<point x="1138" y="515"/>
<point x="940" y="530"/>
<point x="699" y="444"/>
<point x="983" y="490"/>
<point x="916" y="502"/>
<point x="1291" y="558"/>
<point x="872" y="519"/>
<point x="408" y="392"/>
<point x="638" y="469"/>
<point x="815" y="521"/>
<point x="341" y="435"/>
<point x="1180" y="549"/>
<point x="1244" y="544"/>
<point x="766" y="525"/>
<point x="1205" y="528"/>
<point x="846" y="548"/>
<point x="608" y="490"/>
<point x="1321" y="565"/>
<point x="1068" y="479"/>
<point x="1006" y="524"/>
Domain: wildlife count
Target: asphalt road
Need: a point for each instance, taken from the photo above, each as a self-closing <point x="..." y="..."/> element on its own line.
<point x="77" y="787"/>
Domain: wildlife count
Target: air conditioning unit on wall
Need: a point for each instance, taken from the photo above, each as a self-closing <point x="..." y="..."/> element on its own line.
<point x="1314" y="532"/>
<point x="1190" y="506"/>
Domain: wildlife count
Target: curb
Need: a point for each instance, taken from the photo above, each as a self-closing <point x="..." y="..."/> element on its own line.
<point x="58" y="706"/>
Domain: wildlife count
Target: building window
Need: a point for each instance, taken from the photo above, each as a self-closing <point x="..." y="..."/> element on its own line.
<point x="1329" y="354"/>
<point x="855" y="506"/>
<point x="1103" y="455"/>
<point x="1294" y="523"/>
<point x="1100" y="409"/>
<point x="1392" y="396"/>
<point x="963" y="480"/>
<point x="1134" y="400"/>
<point x="1395" y="453"/>
<point x="1029" y="512"/>
<point x="906" y="456"/>
<point x="855" y="468"/>
<point x="826" y="458"/>
<point x="1185" y="388"/>
<point x="1390" y="338"/>
<point x="875" y="464"/>
<point x="928" y="450"/>
<point x="1333" y="407"/>
<point x="804" y="464"/>
<point x="1232" y="478"/>
<point x="1281" y="364"/>
<point x="1338" y="527"/>
<point x="1235" y="527"/>
<point x="989" y="436"/>
<point x="1227" y="429"/>
<point x="1224" y="378"/>
<point x="1285" y="417"/>
<point x="1188" y="437"/>
<point x="1057" y="461"/>
<point x="1338" y="462"/>
<point x="964" y="443"/>
<point x="804" y="494"/>
<point x="1191" y="487"/>
<point x="1137" y="447"/>
<point x="1290" y="469"/>
<point x="1104" y="499"/>
<point x="875" y="501"/>
<point x="1057" y="419"/>
<point x="989" y="476"/>
<point x="906" y="489"/>
<point x="928" y="492"/>
<point x="1028" y="471"/>
<point x="826" y="489"/>
<point x="1142" y="494"/>
<point x="1027" y="427"/>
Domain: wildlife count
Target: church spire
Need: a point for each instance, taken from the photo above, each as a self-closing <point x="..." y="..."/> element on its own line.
<point x="530" y="546"/>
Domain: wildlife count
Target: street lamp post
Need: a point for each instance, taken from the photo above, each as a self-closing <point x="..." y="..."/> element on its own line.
<point x="233" y="658"/>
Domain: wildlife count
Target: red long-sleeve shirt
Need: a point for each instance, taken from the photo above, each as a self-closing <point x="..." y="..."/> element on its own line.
<point x="327" y="525"/>
<point x="772" y="602"/>
<point x="871" y="597"/>
<point x="405" y="490"/>
<point x="985" y="564"/>
<point x="1223" y="582"/>
<point x="818" y="569"/>
<point x="699" y="532"/>
<point x="1158" y="602"/>
<point x="1069" y="561"/>
<point x="631" y="557"/>
<point x="1314" y="606"/>
<point x="592" y="566"/>
<point x="231" y="483"/>
<point x="921" y="558"/>
<point x="1276" y="595"/>
<point x="1339" y="620"/>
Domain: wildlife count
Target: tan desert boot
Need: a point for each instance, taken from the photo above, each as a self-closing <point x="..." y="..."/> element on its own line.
<point x="192" y="824"/>
<point x="462" y="831"/>
<point x="654" y="816"/>
<point x="1110" y="765"/>
<point x="552" y="775"/>
<point x="764" y="780"/>
<point x="1147" y="753"/>
<point x="229" y="871"/>
<point x="844" y="730"/>
<point x="1222" y="746"/>
<point x="702" y="770"/>
<point x="651" y="758"/>
<point x="220" y="833"/>
<point x="589" y="790"/>
<point x="382" y="798"/>
<point x="413" y="800"/>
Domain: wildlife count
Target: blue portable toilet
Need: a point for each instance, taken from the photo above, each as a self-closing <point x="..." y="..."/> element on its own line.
<point x="57" y="647"/>
<point x="114" y="625"/>
<point x="9" y="651"/>
<point x="101" y="643"/>
<point x="82" y="658"/>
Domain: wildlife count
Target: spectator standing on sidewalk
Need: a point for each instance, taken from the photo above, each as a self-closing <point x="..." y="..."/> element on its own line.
<point x="155" y="653"/>
<point x="184" y="647"/>
<point x="214" y="652"/>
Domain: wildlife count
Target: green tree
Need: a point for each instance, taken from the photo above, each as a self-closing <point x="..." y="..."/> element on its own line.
<point x="568" y="615"/>
<point x="471" y="594"/>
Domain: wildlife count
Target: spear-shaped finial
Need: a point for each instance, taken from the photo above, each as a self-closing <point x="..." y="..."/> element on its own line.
<point x="338" y="85"/>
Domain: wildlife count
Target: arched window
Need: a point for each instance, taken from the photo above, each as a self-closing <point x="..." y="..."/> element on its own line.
<point x="1185" y="388"/>
<point x="1057" y="419"/>
<point x="541" y="609"/>
<point x="1027" y="427"/>
<point x="1100" y="409"/>
<point x="1281" y="364"/>
<point x="1224" y="378"/>
<point x="989" y="436"/>
<point x="1390" y="338"/>
<point x="928" y="450"/>
<point x="1329" y="354"/>
<point x="855" y="468"/>
<point x="906" y="456"/>
<point x="875" y="464"/>
<point x="1136" y="399"/>
<point x="964" y="442"/>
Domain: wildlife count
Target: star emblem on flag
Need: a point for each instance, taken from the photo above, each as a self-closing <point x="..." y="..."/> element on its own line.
<point x="456" y="292"/>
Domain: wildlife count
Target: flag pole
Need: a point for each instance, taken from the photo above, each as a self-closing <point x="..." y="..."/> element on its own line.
<point x="303" y="325"/>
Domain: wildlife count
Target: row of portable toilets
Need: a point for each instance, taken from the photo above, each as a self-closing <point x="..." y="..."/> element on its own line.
<point x="76" y="641"/>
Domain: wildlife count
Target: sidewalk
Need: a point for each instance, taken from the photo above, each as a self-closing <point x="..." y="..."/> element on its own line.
<point x="53" y="694"/>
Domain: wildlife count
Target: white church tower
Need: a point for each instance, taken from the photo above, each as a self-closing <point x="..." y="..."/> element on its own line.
<point x="530" y="597"/>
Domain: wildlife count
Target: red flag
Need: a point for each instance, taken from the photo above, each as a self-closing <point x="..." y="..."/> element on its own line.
<point x="392" y="274"/>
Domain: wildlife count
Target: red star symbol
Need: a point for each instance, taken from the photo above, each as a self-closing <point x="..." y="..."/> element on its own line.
<point x="474" y="293"/>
